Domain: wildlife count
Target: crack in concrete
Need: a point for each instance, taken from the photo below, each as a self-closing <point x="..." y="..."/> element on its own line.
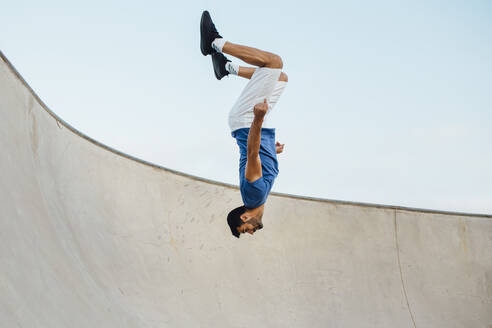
<point x="401" y="272"/>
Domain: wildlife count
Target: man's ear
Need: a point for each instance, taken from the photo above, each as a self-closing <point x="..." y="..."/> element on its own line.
<point x="244" y="217"/>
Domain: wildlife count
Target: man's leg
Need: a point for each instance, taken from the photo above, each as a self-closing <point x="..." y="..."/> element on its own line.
<point x="252" y="55"/>
<point x="211" y="41"/>
<point x="247" y="73"/>
<point x="223" y="66"/>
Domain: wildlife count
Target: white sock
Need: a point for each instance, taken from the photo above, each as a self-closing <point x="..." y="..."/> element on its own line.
<point x="232" y="68"/>
<point x="218" y="44"/>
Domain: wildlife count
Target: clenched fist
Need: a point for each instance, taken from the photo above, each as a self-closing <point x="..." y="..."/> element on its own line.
<point x="261" y="109"/>
<point x="279" y="147"/>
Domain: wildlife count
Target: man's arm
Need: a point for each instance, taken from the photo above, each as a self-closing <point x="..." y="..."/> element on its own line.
<point x="253" y="165"/>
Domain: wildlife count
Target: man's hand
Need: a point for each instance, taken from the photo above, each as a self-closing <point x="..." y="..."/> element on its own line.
<point x="261" y="109"/>
<point x="279" y="147"/>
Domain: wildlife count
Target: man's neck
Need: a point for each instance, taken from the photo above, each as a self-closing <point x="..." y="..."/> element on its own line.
<point x="255" y="211"/>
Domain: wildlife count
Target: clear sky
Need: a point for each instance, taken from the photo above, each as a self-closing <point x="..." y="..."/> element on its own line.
<point x="388" y="101"/>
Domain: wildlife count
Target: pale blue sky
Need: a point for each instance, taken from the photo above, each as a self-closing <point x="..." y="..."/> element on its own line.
<point x="388" y="101"/>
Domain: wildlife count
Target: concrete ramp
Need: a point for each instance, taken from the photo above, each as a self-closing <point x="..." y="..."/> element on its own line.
<point x="91" y="237"/>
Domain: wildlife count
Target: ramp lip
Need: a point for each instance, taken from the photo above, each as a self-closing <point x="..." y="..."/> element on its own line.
<point x="218" y="183"/>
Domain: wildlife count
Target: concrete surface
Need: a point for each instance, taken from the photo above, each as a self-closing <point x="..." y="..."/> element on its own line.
<point x="90" y="237"/>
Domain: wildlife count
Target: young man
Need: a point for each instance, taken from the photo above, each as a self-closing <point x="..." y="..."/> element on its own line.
<point x="248" y="120"/>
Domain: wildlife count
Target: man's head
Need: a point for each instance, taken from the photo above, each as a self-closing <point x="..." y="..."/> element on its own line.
<point x="243" y="220"/>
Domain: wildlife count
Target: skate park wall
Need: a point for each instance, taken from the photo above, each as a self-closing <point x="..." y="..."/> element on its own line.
<point x="92" y="237"/>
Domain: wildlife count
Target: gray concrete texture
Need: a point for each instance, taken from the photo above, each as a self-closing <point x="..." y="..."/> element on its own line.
<point x="91" y="237"/>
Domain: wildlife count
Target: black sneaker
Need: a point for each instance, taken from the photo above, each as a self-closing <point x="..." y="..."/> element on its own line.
<point x="219" y="61"/>
<point x="208" y="33"/>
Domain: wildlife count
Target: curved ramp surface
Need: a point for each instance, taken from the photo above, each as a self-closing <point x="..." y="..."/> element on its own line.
<point x="90" y="237"/>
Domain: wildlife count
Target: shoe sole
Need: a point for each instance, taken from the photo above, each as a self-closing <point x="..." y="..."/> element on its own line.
<point x="216" y="64"/>
<point x="203" y="33"/>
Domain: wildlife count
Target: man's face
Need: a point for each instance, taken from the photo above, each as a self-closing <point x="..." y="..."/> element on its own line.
<point x="250" y="226"/>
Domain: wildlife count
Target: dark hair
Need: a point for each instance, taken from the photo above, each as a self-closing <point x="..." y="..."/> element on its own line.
<point x="234" y="219"/>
